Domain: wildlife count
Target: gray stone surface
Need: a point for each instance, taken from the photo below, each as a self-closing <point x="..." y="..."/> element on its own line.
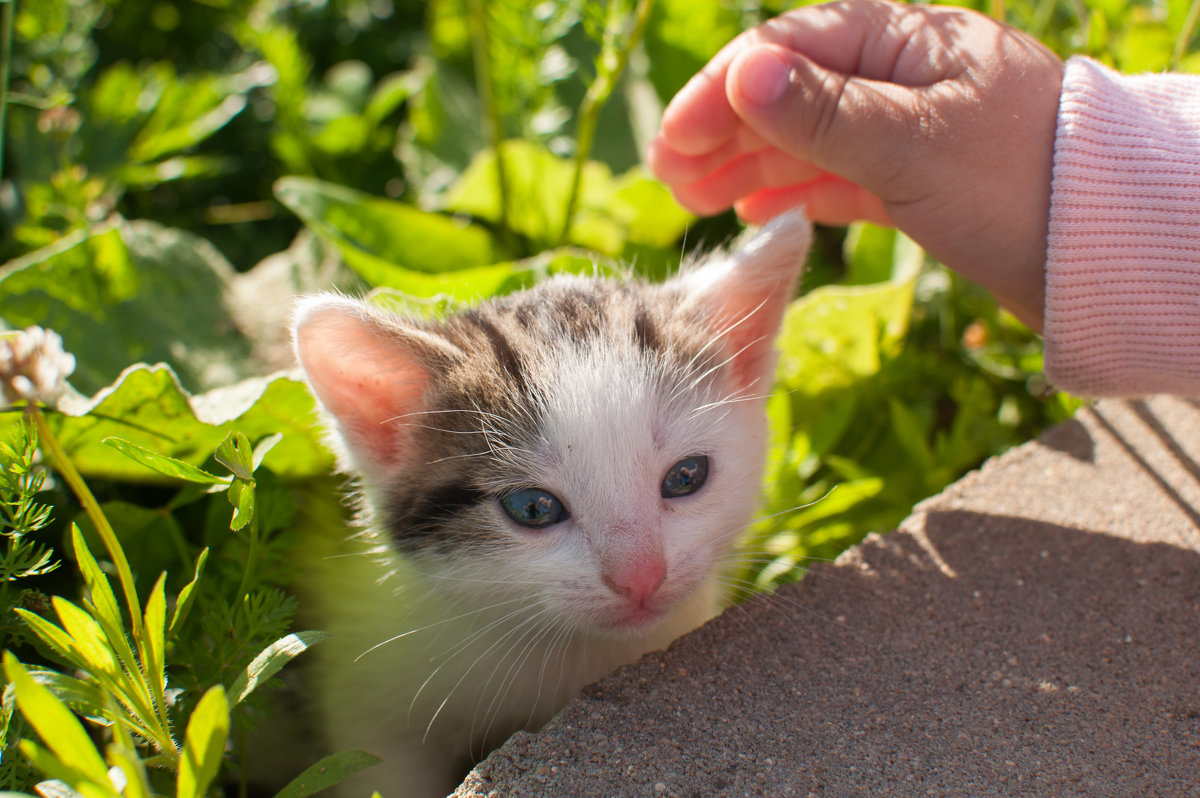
<point x="1033" y="630"/>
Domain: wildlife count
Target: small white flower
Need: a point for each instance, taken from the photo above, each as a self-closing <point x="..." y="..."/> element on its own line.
<point x="33" y="366"/>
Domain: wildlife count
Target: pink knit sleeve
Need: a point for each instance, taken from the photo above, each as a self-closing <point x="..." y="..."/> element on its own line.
<point x="1122" y="313"/>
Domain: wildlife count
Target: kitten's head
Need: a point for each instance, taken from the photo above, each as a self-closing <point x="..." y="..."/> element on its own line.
<point x="595" y="445"/>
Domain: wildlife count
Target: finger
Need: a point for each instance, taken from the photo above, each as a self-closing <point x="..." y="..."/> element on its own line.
<point x="699" y="118"/>
<point x="675" y="168"/>
<point x="868" y="39"/>
<point x="746" y="175"/>
<point x="865" y="131"/>
<point x="830" y="200"/>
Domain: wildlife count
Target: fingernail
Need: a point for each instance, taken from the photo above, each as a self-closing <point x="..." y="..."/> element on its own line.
<point x="763" y="76"/>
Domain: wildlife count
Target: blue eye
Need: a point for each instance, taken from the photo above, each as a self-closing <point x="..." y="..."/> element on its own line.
<point x="685" y="477"/>
<point x="534" y="508"/>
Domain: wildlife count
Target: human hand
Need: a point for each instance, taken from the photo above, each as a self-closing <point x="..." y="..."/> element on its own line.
<point x="937" y="120"/>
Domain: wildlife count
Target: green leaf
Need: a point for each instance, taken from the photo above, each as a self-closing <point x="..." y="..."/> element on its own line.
<point x="155" y="536"/>
<point x="328" y="772"/>
<point x="55" y="724"/>
<point x="539" y="184"/>
<point x="162" y="464"/>
<point x="186" y="596"/>
<point x="242" y="497"/>
<point x="137" y="780"/>
<point x="912" y="434"/>
<point x="99" y="589"/>
<point x="261" y="448"/>
<point x="204" y="744"/>
<point x="140" y="114"/>
<point x="271" y="659"/>
<point x="51" y="635"/>
<point x="235" y="454"/>
<point x="148" y="408"/>
<point x="152" y="645"/>
<point x="683" y="35"/>
<point x="83" y="697"/>
<point x="62" y="780"/>
<point x="647" y="209"/>
<point x="87" y="637"/>
<point x="128" y="292"/>
<point x="443" y="132"/>
<point x="383" y="239"/>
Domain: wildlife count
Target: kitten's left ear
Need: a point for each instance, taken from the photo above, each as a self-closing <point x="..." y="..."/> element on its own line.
<point x="369" y="371"/>
<point x="745" y="293"/>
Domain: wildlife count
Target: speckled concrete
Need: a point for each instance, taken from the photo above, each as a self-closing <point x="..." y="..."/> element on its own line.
<point x="1033" y="630"/>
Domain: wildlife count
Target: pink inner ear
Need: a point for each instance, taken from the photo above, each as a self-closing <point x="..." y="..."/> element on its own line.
<point x="748" y="293"/>
<point x="365" y="376"/>
<point x="749" y="322"/>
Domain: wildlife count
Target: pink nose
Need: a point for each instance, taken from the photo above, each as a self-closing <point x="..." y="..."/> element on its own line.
<point x="637" y="581"/>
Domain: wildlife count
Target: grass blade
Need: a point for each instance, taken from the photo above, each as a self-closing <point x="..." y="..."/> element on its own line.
<point x="328" y="772"/>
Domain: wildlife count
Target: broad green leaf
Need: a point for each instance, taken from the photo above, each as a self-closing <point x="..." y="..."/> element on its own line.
<point x="382" y="238"/>
<point x="87" y="636"/>
<point x="192" y="108"/>
<point x="162" y="464"/>
<point x="204" y="744"/>
<point x="55" y="724"/>
<point x="235" y="454"/>
<point x="140" y="114"/>
<point x="869" y="251"/>
<point x="99" y="590"/>
<point x="186" y="596"/>
<point x="647" y="209"/>
<point x="272" y="658"/>
<point x="242" y="496"/>
<point x="539" y="184"/>
<point x="128" y="292"/>
<point x="147" y="407"/>
<point x="328" y="772"/>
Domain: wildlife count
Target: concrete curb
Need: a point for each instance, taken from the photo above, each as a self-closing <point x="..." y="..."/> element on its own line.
<point x="1033" y="630"/>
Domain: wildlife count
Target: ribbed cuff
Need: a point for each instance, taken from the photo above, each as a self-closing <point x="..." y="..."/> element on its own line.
<point x="1122" y="315"/>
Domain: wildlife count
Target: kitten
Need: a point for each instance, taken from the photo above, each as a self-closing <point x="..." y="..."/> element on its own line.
<point x="552" y="485"/>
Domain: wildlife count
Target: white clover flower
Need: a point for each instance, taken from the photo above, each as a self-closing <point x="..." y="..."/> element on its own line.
<point x="33" y="366"/>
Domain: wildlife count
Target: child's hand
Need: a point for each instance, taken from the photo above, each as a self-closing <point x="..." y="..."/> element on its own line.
<point x="937" y="120"/>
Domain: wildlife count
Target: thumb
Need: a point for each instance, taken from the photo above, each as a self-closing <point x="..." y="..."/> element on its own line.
<point x="862" y="130"/>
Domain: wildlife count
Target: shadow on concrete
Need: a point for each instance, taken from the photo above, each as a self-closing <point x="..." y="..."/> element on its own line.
<point x="974" y="654"/>
<point x="1072" y="438"/>
<point x="1165" y="439"/>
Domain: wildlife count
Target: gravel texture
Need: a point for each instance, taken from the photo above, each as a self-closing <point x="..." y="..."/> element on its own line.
<point x="1033" y="630"/>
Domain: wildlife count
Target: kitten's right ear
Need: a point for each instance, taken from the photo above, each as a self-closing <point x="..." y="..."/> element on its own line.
<point x="369" y="371"/>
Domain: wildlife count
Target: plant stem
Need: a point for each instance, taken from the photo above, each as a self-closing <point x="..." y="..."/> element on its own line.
<point x="6" y="26"/>
<point x="1185" y="35"/>
<point x="614" y="58"/>
<point x="247" y="575"/>
<point x="66" y="469"/>
<point x="481" y="53"/>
